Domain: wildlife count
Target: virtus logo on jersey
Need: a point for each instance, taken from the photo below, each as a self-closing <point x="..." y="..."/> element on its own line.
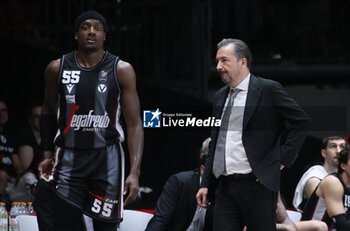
<point x="102" y="88"/>
<point x="87" y="122"/>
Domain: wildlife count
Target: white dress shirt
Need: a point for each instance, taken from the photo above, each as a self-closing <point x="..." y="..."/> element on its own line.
<point x="236" y="160"/>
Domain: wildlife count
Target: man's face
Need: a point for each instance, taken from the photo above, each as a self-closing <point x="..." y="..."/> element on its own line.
<point x="3" y="114"/>
<point x="332" y="150"/>
<point x="90" y="35"/>
<point x="228" y="66"/>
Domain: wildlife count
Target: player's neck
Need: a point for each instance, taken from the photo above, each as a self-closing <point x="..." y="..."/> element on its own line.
<point x="89" y="59"/>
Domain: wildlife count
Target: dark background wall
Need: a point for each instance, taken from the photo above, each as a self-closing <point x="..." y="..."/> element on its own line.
<point x="172" y="44"/>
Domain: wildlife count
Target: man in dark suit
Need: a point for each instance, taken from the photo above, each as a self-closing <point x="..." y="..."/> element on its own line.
<point x="176" y="208"/>
<point x="247" y="152"/>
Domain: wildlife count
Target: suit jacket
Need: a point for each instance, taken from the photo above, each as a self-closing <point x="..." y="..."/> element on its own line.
<point x="269" y="114"/>
<point x="177" y="204"/>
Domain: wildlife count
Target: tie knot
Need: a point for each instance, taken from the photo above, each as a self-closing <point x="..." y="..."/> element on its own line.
<point x="234" y="92"/>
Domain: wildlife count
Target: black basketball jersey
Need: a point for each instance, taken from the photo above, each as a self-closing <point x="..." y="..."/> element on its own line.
<point x="89" y="107"/>
<point x="315" y="207"/>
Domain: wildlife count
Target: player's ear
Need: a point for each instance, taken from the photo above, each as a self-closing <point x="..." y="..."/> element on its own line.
<point x="76" y="35"/>
<point x="343" y="165"/>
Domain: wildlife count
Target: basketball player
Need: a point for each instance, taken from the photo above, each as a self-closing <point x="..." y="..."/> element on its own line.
<point x="330" y="200"/>
<point x="91" y="87"/>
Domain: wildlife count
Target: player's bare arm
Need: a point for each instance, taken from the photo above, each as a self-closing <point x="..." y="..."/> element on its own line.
<point x="131" y="110"/>
<point x="310" y="186"/>
<point x="51" y="91"/>
<point x="332" y="191"/>
<point x="49" y="110"/>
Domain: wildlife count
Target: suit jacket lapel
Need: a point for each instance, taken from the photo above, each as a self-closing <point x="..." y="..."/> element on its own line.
<point x="220" y="102"/>
<point x="253" y="96"/>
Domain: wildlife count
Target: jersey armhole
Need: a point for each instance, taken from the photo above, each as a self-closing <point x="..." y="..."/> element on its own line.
<point x="115" y="73"/>
<point x="61" y="67"/>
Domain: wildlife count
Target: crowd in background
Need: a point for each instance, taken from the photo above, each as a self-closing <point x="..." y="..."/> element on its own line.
<point x="20" y="154"/>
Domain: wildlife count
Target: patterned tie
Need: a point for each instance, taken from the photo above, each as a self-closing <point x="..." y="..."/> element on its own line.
<point x="219" y="155"/>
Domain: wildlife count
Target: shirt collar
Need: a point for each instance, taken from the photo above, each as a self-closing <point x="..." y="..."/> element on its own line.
<point x="243" y="86"/>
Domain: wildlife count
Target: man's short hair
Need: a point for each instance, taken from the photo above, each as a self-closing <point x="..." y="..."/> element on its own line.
<point x="343" y="158"/>
<point x="241" y="49"/>
<point x="327" y="139"/>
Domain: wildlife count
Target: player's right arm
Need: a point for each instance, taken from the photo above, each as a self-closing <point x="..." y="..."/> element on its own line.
<point x="51" y="90"/>
<point x="48" y="120"/>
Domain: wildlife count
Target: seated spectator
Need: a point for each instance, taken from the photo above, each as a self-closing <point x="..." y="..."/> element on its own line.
<point x="9" y="160"/>
<point x="177" y="208"/>
<point x="330" y="201"/>
<point x="29" y="150"/>
<point x="30" y="154"/>
<point x="331" y="147"/>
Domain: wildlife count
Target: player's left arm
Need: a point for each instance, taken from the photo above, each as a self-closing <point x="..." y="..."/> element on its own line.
<point x="131" y="110"/>
<point x="332" y="191"/>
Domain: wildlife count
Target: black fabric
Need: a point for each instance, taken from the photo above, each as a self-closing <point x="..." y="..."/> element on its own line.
<point x="244" y="202"/>
<point x="104" y="226"/>
<point x="341" y="223"/>
<point x="90" y="15"/>
<point x="177" y="204"/>
<point x="7" y="149"/>
<point x="43" y="205"/>
<point x="89" y="106"/>
<point x="65" y="216"/>
<point x="267" y="110"/>
<point x="91" y="181"/>
<point x="26" y="137"/>
<point x="48" y="128"/>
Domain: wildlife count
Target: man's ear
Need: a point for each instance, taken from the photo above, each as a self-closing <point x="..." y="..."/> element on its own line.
<point x="323" y="153"/>
<point x="342" y="165"/>
<point x="244" y="62"/>
<point x="76" y="35"/>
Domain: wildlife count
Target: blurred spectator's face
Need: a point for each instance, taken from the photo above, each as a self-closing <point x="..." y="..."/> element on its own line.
<point x="3" y="113"/>
<point x="35" y="118"/>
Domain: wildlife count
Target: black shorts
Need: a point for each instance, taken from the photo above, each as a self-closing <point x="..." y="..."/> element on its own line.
<point x="92" y="180"/>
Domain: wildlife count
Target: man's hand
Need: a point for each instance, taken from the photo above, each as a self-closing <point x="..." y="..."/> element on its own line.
<point x="45" y="168"/>
<point x="201" y="197"/>
<point x="131" y="185"/>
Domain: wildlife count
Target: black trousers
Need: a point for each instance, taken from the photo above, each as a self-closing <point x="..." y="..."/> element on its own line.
<point x="43" y="205"/>
<point x="241" y="201"/>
